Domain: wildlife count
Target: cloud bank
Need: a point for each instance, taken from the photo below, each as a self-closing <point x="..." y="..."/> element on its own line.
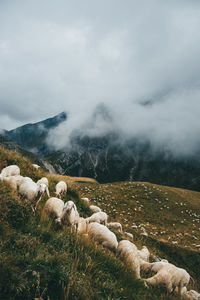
<point x="138" y="58"/>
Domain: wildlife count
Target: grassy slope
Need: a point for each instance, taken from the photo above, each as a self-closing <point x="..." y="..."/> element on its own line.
<point x="39" y="259"/>
<point x="168" y="214"/>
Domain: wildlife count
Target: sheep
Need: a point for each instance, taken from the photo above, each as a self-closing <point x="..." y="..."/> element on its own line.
<point x="128" y="252"/>
<point x="56" y="207"/>
<point x="36" y="166"/>
<point x="82" y="226"/>
<point x="72" y="215"/>
<point x="191" y="295"/>
<point x="144" y="253"/>
<point x="128" y="234"/>
<point x="32" y="191"/>
<point x="10" y="171"/>
<point x="99" y="217"/>
<point x="43" y="180"/>
<point x="61" y="188"/>
<point x="101" y="234"/>
<point x="86" y="200"/>
<point x="115" y="225"/>
<point x="170" y="276"/>
<point x="95" y="208"/>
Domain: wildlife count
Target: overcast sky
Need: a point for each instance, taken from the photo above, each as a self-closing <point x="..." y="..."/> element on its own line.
<point x="73" y="55"/>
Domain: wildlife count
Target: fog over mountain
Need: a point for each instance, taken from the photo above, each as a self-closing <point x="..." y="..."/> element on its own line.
<point x="137" y="59"/>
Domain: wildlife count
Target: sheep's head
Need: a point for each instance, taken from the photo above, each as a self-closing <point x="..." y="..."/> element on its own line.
<point x="42" y="189"/>
<point x="69" y="205"/>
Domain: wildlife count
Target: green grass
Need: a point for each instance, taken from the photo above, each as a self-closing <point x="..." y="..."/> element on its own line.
<point x="40" y="259"/>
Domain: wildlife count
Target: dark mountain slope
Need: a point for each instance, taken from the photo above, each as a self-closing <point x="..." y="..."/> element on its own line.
<point x="32" y="136"/>
<point x="106" y="158"/>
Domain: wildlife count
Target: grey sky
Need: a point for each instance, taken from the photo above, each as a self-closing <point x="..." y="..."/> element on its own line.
<point x="73" y="55"/>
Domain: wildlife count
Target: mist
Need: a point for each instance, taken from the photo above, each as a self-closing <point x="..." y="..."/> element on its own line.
<point x="138" y="60"/>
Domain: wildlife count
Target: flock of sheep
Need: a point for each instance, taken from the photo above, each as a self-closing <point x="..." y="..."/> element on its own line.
<point x="98" y="229"/>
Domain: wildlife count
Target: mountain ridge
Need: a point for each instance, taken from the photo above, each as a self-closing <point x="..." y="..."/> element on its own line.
<point x="106" y="158"/>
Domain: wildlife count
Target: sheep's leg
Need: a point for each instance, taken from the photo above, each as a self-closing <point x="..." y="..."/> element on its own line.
<point x="180" y="288"/>
<point x="37" y="203"/>
<point x="154" y="280"/>
<point x="169" y="286"/>
<point x="137" y="272"/>
<point x="33" y="209"/>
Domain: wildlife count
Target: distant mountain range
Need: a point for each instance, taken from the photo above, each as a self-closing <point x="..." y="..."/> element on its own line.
<point x="106" y="158"/>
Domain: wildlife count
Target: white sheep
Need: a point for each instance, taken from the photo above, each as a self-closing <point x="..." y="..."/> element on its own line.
<point x="55" y="206"/>
<point x="72" y="215"/>
<point x="170" y="276"/>
<point x="10" y="171"/>
<point x="82" y="226"/>
<point x="61" y="188"/>
<point x="43" y="180"/>
<point x="128" y="234"/>
<point x="36" y="166"/>
<point x="95" y="208"/>
<point x="103" y="235"/>
<point x="144" y="253"/>
<point x="86" y="200"/>
<point x="129" y="254"/>
<point x="99" y="217"/>
<point x="33" y="192"/>
<point x="115" y="225"/>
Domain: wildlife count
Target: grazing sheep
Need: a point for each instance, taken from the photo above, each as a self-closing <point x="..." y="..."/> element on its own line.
<point x="72" y="215"/>
<point x="128" y="234"/>
<point x="56" y="207"/>
<point x="129" y="254"/>
<point x="43" y="180"/>
<point x="170" y="276"/>
<point x="115" y="225"/>
<point x="36" y="166"/>
<point x="61" y="188"/>
<point x="86" y="200"/>
<point x="10" y="171"/>
<point x="144" y="253"/>
<point x="103" y="235"/>
<point x="33" y="192"/>
<point x="99" y="217"/>
<point x="82" y="226"/>
<point x="95" y="208"/>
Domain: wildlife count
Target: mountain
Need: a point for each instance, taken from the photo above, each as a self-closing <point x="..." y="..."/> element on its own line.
<point x="32" y="136"/>
<point x="9" y="145"/>
<point x="106" y="157"/>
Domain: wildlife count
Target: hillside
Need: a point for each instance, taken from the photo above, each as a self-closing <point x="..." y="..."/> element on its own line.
<point x="9" y="145"/>
<point x="38" y="259"/>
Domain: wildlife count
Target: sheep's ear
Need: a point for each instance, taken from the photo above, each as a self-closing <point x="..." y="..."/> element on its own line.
<point x="74" y="206"/>
<point x="47" y="191"/>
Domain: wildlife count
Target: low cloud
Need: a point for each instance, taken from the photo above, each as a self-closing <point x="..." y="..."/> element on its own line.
<point x="138" y="59"/>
